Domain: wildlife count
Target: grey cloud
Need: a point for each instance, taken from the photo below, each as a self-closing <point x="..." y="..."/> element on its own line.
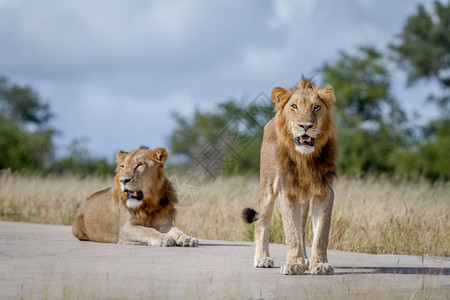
<point x="163" y="55"/>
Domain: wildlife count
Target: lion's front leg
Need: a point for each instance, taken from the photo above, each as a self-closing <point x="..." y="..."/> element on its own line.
<point x="321" y="219"/>
<point x="305" y="211"/>
<point x="291" y="210"/>
<point x="133" y="234"/>
<point x="182" y="239"/>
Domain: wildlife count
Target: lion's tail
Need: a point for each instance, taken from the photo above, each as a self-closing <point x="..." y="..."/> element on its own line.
<point x="249" y="215"/>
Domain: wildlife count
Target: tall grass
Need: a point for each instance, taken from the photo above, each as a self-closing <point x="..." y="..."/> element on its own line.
<point x="371" y="215"/>
<point x="49" y="200"/>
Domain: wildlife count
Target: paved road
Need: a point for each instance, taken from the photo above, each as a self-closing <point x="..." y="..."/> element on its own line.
<point x="44" y="261"/>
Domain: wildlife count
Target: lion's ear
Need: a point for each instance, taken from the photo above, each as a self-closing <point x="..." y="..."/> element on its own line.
<point x="279" y="97"/>
<point x="121" y="156"/>
<point x="327" y="94"/>
<point x="160" y="154"/>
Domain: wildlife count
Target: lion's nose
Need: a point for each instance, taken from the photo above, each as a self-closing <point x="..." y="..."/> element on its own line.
<point x="124" y="180"/>
<point x="305" y="126"/>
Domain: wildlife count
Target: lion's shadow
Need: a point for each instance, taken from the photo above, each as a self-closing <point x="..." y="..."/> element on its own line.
<point x="391" y="270"/>
<point x="222" y="245"/>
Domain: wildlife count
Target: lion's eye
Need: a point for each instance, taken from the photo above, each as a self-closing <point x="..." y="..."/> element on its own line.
<point x="294" y="106"/>
<point x="121" y="166"/>
<point x="316" y="107"/>
<point x="139" y="166"/>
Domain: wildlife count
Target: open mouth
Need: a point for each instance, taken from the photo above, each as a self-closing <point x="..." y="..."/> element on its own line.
<point x="304" y="140"/>
<point x="135" y="195"/>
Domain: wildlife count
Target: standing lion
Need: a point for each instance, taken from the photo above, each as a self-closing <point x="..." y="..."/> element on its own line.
<point x="138" y="209"/>
<point x="298" y="164"/>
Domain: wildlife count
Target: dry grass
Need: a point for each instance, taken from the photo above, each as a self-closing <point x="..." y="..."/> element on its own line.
<point x="370" y="215"/>
<point x="49" y="200"/>
<point x="385" y="216"/>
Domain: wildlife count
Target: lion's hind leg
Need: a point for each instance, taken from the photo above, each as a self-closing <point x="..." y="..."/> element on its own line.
<point x="78" y="228"/>
<point x="262" y="257"/>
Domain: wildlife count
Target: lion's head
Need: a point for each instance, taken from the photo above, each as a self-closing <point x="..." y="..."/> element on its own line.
<point x="304" y="116"/>
<point x="140" y="175"/>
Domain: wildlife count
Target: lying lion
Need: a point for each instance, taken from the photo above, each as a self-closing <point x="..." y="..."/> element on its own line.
<point x="298" y="164"/>
<point x="138" y="209"/>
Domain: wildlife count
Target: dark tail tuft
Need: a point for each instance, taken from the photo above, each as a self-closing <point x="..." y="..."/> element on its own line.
<point x="249" y="215"/>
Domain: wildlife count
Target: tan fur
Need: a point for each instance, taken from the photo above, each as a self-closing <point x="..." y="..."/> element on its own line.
<point x="298" y="174"/>
<point x="108" y="217"/>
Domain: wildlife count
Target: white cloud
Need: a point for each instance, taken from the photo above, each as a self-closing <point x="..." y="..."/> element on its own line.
<point x="256" y="63"/>
<point x="287" y="11"/>
<point x="112" y="121"/>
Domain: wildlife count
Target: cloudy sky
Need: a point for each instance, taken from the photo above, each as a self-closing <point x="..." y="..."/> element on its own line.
<point x="113" y="71"/>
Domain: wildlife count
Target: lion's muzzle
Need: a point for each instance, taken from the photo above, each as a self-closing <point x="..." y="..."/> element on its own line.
<point x="304" y="140"/>
<point x="139" y="195"/>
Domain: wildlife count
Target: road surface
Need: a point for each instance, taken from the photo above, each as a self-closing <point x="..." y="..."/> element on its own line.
<point x="46" y="261"/>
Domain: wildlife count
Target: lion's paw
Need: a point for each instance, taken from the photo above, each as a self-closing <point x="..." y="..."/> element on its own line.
<point x="322" y="269"/>
<point x="167" y="241"/>
<point x="189" y="242"/>
<point x="292" y="269"/>
<point x="179" y="238"/>
<point x="265" y="262"/>
<point x="185" y="240"/>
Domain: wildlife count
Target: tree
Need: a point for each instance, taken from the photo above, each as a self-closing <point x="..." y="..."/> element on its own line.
<point x="192" y="135"/>
<point x="230" y="136"/>
<point x="423" y="49"/>
<point x="22" y="105"/>
<point x="14" y="148"/>
<point x="370" y="122"/>
<point x="26" y="138"/>
<point x="79" y="161"/>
